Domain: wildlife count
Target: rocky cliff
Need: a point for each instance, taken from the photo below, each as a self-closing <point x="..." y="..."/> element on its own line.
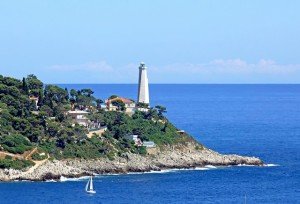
<point x="179" y="156"/>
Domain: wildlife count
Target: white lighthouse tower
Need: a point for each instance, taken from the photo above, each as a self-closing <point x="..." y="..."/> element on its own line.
<point x="143" y="92"/>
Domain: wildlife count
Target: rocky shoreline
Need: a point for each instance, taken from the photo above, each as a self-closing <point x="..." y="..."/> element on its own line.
<point x="179" y="157"/>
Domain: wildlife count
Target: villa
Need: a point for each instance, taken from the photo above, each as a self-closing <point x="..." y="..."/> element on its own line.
<point x="79" y="116"/>
<point x="35" y="99"/>
<point x="129" y="104"/>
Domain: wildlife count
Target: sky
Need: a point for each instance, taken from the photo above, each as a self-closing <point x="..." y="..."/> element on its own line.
<point x="207" y="41"/>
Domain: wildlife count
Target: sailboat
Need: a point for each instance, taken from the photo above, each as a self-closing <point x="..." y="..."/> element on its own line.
<point x="89" y="188"/>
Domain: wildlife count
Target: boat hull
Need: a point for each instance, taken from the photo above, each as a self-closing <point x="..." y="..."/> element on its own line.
<point x="91" y="192"/>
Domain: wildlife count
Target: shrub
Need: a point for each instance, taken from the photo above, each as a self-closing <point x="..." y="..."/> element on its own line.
<point x="38" y="157"/>
<point x="142" y="150"/>
<point x="15" y="144"/>
<point x="15" y="164"/>
<point x="8" y="157"/>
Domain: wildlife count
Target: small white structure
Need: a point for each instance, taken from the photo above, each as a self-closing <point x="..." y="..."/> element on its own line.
<point x="135" y="138"/>
<point x="149" y="144"/>
<point x="35" y="99"/>
<point x="79" y="117"/>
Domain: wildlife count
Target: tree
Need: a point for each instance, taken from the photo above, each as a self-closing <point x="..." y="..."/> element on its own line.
<point x="87" y="92"/>
<point x="152" y="113"/>
<point x="52" y="128"/>
<point x="73" y="94"/>
<point x="161" y="110"/>
<point x="67" y="94"/>
<point x="34" y="84"/>
<point x="113" y="96"/>
<point x="46" y="109"/>
<point x="99" y="102"/>
<point x="142" y="105"/>
<point x="25" y="86"/>
<point x="41" y="98"/>
<point x="84" y="101"/>
<point x="56" y="94"/>
<point x="119" y="104"/>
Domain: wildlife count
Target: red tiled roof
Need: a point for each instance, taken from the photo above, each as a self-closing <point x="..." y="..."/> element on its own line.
<point x="124" y="100"/>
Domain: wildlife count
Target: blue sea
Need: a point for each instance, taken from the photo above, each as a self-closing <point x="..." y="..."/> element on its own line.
<point x="258" y="120"/>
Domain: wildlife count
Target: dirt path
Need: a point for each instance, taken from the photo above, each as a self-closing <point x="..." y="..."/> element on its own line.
<point x="12" y="155"/>
<point x="31" y="153"/>
<point x="36" y="165"/>
<point x="20" y="156"/>
<point x="27" y="157"/>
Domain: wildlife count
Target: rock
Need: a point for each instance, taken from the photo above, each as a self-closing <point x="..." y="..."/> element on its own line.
<point x="179" y="156"/>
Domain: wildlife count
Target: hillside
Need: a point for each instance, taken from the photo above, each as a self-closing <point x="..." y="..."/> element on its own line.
<point x="40" y="139"/>
<point x="36" y="115"/>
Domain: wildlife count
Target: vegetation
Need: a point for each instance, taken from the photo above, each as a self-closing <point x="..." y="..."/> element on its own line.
<point x="15" y="144"/>
<point x="119" y="104"/>
<point x="142" y="105"/>
<point x="8" y="163"/>
<point x="37" y="157"/>
<point x="26" y="122"/>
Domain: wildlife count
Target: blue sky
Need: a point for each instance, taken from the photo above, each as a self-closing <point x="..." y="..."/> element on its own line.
<point x="180" y="41"/>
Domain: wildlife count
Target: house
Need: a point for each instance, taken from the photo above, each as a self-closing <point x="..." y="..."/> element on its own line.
<point x="129" y="104"/>
<point x="35" y="99"/>
<point x="149" y="144"/>
<point x="135" y="138"/>
<point x="181" y="132"/>
<point x="79" y="116"/>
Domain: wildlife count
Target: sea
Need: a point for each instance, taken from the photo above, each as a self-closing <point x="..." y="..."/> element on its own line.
<point x="253" y="120"/>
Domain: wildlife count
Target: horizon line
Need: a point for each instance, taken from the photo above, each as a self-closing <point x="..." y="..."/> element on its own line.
<point x="176" y="83"/>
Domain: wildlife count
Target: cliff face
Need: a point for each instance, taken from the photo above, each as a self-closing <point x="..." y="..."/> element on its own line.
<point x="180" y="156"/>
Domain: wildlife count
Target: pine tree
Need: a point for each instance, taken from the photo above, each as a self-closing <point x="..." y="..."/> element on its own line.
<point x="25" y="86"/>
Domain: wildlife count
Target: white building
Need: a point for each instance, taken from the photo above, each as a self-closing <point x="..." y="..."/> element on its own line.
<point x="143" y="91"/>
<point x="79" y="117"/>
<point x="35" y="99"/>
<point x="135" y="138"/>
<point x="149" y="144"/>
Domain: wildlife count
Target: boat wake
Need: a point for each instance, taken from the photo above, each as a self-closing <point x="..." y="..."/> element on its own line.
<point x="64" y="179"/>
<point x="264" y="165"/>
<point x="271" y="165"/>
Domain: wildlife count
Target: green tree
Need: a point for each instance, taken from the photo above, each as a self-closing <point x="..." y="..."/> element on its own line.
<point x="119" y="104"/>
<point x="34" y="84"/>
<point x="25" y="86"/>
<point x="161" y="110"/>
<point x="87" y="92"/>
<point x="142" y="105"/>
<point x="99" y="102"/>
<point x="41" y="98"/>
<point x="67" y="97"/>
<point x="113" y="96"/>
<point x="73" y="94"/>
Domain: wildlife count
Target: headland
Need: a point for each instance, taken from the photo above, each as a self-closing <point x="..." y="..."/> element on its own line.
<point x="48" y="132"/>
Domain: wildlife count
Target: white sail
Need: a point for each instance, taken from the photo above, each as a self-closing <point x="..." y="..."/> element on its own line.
<point x="91" y="184"/>
<point x="87" y="185"/>
<point x="89" y="188"/>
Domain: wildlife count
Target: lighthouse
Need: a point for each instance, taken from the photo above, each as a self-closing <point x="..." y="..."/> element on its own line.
<point x="143" y="92"/>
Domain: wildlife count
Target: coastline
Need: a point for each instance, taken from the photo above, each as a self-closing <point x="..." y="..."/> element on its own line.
<point x="171" y="157"/>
